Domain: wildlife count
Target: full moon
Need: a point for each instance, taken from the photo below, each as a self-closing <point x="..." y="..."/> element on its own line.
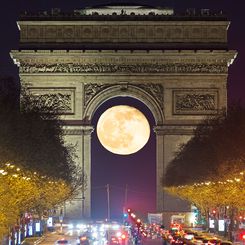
<point x="123" y="130"/>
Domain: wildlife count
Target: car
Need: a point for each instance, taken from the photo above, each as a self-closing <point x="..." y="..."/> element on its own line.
<point x="188" y="235"/>
<point x="205" y="240"/>
<point x="200" y="239"/>
<point x="83" y="240"/>
<point x="214" y="241"/>
<point x="225" y="243"/>
<point x="62" y="241"/>
<point x="113" y="240"/>
<point x="177" y="240"/>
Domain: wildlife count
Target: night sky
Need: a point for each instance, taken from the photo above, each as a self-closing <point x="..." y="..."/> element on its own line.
<point x="136" y="170"/>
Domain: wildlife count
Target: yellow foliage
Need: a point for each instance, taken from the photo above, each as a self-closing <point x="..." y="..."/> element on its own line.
<point x="23" y="191"/>
<point x="229" y="191"/>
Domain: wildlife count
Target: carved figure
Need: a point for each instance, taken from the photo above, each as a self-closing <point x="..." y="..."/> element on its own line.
<point x="129" y="68"/>
<point x="195" y="102"/>
<point x="58" y="101"/>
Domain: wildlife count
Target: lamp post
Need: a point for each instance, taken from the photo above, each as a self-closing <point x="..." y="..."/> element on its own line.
<point x="61" y="224"/>
<point x="108" y="201"/>
<point x="61" y="221"/>
<point x="125" y="204"/>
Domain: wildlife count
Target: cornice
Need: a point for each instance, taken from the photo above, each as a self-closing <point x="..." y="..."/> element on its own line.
<point x="85" y="130"/>
<point x="88" y="20"/>
<point x="174" y="129"/>
<point x="125" y="55"/>
<point x="118" y="52"/>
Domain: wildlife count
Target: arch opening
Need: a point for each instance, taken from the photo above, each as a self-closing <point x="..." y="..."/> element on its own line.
<point x="136" y="187"/>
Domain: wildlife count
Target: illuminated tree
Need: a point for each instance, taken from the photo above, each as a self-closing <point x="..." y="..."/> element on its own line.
<point x="37" y="169"/>
<point x="227" y="195"/>
<point x="209" y="170"/>
<point x="33" y="139"/>
<point x="27" y="192"/>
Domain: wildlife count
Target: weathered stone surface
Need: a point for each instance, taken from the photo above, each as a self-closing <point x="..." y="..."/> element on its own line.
<point x="137" y="68"/>
<point x="119" y="32"/>
<point x="61" y="100"/>
<point x="195" y="101"/>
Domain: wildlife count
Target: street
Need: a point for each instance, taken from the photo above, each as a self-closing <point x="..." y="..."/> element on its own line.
<point x="51" y="238"/>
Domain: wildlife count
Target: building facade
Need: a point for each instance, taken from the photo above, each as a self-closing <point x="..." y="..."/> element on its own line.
<point x="177" y="65"/>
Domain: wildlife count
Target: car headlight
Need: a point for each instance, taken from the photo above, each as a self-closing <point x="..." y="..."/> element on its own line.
<point x="70" y="226"/>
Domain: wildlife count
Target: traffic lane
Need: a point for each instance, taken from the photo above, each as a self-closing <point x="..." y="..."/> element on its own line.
<point x="149" y="241"/>
<point x="51" y="238"/>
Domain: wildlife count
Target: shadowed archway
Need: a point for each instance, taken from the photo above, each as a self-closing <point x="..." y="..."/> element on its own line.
<point x="136" y="172"/>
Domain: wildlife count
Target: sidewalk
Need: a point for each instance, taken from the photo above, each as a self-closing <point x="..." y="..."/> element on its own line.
<point x="32" y="240"/>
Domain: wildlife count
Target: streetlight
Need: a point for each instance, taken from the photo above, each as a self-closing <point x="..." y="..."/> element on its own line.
<point x="61" y="221"/>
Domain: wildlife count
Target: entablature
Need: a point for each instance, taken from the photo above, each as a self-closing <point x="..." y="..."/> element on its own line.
<point x="54" y="33"/>
<point x="137" y="61"/>
<point x="174" y="129"/>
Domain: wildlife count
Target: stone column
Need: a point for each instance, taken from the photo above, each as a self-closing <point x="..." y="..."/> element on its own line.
<point x="169" y="138"/>
<point x="86" y="166"/>
<point x="80" y="207"/>
<point x="159" y="168"/>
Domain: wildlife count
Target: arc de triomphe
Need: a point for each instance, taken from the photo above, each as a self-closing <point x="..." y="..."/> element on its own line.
<point x="176" y="65"/>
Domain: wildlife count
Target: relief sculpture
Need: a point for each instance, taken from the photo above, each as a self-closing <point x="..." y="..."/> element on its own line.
<point x="62" y="103"/>
<point x="91" y="89"/>
<point x="195" y="103"/>
<point x="156" y="90"/>
<point x="129" y="68"/>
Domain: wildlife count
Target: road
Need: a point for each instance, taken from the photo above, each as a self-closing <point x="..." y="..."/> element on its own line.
<point x="152" y="241"/>
<point x="51" y="238"/>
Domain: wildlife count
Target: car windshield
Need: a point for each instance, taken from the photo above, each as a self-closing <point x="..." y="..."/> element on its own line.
<point x="214" y="241"/>
<point x="114" y="238"/>
<point x="62" y="242"/>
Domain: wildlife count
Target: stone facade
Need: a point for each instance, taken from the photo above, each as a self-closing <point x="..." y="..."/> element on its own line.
<point x="180" y="86"/>
<point x="120" y="32"/>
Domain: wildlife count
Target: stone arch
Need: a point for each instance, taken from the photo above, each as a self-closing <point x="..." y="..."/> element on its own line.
<point x="184" y="75"/>
<point x="126" y="90"/>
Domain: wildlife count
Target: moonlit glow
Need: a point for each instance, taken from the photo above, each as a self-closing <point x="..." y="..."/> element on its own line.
<point x="123" y="130"/>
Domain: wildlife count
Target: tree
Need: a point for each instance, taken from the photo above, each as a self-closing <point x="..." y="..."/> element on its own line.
<point x="209" y="170"/>
<point x="216" y="195"/>
<point x="218" y="142"/>
<point x="23" y="191"/>
<point x="37" y="169"/>
<point x="32" y="138"/>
